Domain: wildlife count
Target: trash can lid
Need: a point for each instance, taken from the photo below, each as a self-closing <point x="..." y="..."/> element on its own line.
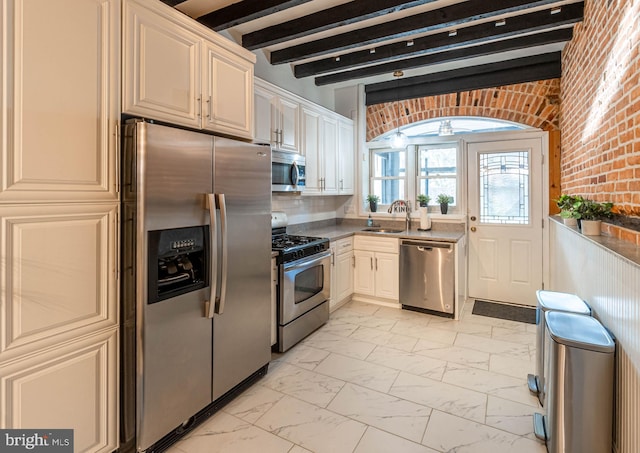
<point x="579" y="331"/>
<point x="553" y="300"/>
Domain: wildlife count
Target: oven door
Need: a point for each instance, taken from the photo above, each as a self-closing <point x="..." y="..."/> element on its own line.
<point x="305" y="284"/>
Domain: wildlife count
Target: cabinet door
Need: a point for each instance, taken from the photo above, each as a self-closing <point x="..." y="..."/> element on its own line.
<point x="344" y="276"/>
<point x="60" y="100"/>
<point x="346" y="157"/>
<point x="311" y="149"/>
<point x="161" y="67"/>
<point x="289" y="124"/>
<point x="329" y="156"/>
<point x="364" y="278"/>
<point x="228" y="101"/>
<point x="59" y="274"/>
<point x="387" y="275"/>
<point x="265" y="117"/>
<point x="70" y="387"/>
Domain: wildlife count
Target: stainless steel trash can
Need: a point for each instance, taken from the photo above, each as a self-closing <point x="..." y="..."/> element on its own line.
<point x="580" y="358"/>
<point x="550" y="301"/>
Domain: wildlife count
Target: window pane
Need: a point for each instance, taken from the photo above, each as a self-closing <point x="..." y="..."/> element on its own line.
<point x="435" y="186"/>
<point x="437" y="171"/>
<point x="389" y="163"/>
<point x="504" y="188"/>
<point x="389" y="190"/>
<point x="437" y="161"/>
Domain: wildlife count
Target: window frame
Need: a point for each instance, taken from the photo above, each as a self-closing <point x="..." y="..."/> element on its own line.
<point x="411" y="178"/>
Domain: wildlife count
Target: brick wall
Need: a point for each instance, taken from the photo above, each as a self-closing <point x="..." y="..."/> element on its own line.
<point x="600" y="110"/>
<point x="534" y="104"/>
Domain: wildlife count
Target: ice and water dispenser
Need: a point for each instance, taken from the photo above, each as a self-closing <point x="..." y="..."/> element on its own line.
<point x="177" y="262"/>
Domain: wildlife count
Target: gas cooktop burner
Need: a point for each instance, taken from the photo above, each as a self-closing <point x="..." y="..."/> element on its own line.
<point x="285" y="242"/>
<point x="293" y="248"/>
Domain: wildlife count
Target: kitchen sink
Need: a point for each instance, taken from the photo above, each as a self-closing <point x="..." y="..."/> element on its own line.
<point x="382" y="230"/>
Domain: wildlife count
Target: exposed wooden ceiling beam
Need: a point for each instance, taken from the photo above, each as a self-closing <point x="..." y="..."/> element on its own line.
<point x="550" y="37"/>
<point x="477" y="34"/>
<point x="173" y="2"/>
<point x="245" y="11"/>
<point x="446" y="17"/>
<point x="521" y="70"/>
<point x="345" y="14"/>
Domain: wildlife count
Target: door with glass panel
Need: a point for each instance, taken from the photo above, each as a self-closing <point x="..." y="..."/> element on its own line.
<point x="505" y="220"/>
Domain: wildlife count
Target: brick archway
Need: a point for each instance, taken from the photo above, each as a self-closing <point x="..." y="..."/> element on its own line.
<point x="535" y="104"/>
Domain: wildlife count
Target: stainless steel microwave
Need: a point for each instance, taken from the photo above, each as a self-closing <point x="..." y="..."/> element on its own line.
<point x="287" y="172"/>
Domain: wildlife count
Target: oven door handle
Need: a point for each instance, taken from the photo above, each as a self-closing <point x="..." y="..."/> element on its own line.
<point x="299" y="264"/>
<point x="209" y="305"/>
<point x="222" y="203"/>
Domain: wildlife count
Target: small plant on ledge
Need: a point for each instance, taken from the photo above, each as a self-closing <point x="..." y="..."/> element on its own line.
<point x="373" y="202"/>
<point x="591" y="213"/>
<point x="444" y="201"/>
<point x="423" y="200"/>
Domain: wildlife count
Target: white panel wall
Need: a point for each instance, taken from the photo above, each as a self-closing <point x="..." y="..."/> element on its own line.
<point x="611" y="285"/>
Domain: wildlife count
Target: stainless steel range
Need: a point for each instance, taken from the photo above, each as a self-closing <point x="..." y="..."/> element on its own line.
<point x="303" y="283"/>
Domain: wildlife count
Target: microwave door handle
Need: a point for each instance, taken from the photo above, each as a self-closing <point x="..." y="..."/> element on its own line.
<point x="213" y="268"/>
<point x="225" y="254"/>
<point x="294" y="174"/>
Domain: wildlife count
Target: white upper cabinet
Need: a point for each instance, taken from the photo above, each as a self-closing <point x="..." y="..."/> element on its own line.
<point x="329" y="155"/>
<point x="161" y="66"/>
<point x="277" y="117"/>
<point x="346" y="158"/>
<point x="178" y="71"/>
<point x="228" y="91"/>
<point x="60" y="100"/>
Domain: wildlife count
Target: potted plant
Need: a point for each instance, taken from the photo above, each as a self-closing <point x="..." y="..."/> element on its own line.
<point x="425" y="221"/>
<point x="423" y="200"/>
<point x="568" y="210"/>
<point x="373" y="202"/>
<point x="591" y="214"/>
<point x="444" y="201"/>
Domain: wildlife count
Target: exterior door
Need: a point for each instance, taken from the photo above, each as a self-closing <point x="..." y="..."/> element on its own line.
<point x="505" y="220"/>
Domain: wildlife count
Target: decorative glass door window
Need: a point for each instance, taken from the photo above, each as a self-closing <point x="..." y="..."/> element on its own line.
<point x="504" y="188"/>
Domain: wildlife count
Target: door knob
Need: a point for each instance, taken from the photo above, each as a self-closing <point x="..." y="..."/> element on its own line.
<point x="473" y="218"/>
<point x="473" y="229"/>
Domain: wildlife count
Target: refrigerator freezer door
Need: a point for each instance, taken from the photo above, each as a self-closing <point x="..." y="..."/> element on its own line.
<point x="241" y="332"/>
<point x="174" y="348"/>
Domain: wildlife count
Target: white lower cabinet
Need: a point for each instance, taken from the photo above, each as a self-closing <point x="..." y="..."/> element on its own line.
<point x="342" y="267"/>
<point x="376" y="267"/>
<point x="73" y="386"/>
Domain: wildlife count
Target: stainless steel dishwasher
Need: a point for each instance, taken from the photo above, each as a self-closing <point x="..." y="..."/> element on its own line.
<point x="427" y="278"/>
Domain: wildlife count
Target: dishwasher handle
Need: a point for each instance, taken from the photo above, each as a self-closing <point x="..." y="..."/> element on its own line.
<point x="425" y="245"/>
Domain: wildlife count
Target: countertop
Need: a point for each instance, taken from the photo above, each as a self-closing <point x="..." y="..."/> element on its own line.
<point x="335" y="232"/>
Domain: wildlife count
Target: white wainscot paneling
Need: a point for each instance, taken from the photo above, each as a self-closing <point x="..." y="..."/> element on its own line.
<point x="611" y="285"/>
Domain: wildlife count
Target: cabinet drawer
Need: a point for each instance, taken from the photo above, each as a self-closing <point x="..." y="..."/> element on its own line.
<point x="374" y="244"/>
<point x="344" y="245"/>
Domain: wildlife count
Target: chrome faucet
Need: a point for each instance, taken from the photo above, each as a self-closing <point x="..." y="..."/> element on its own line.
<point x="402" y="206"/>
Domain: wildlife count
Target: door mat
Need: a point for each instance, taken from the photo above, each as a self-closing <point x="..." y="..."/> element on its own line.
<point x="503" y="311"/>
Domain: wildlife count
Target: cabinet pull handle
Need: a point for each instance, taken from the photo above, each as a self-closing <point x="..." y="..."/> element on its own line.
<point x="371" y="259"/>
<point x="209" y="102"/>
<point x="341" y="184"/>
<point x="117" y="175"/>
<point x="281" y="137"/>
<point x="376" y="263"/>
<point x="199" y="106"/>
<point x="353" y="261"/>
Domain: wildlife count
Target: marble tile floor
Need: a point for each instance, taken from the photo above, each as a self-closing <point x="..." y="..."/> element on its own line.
<point x="377" y="379"/>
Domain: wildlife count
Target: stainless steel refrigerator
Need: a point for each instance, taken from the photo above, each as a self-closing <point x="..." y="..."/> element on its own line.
<point x="196" y="250"/>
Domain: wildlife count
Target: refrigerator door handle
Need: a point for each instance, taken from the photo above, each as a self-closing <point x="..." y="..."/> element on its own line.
<point x="223" y="232"/>
<point x="209" y="305"/>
